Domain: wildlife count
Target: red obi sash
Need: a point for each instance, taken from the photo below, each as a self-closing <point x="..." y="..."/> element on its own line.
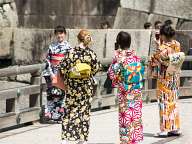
<point x="56" y="58"/>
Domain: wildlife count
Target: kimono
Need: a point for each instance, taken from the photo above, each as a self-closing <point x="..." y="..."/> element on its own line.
<point x="168" y="84"/>
<point x="130" y="99"/>
<point x="55" y="96"/>
<point x="79" y="94"/>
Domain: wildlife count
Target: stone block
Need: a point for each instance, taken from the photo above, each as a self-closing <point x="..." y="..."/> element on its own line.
<point x="10" y="14"/>
<point x="182" y="36"/>
<point x="184" y="24"/>
<point x="88" y="7"/>
<point x="67" y="7"/>
<point x="71" y="13"/>
<point x="130" y="19"/>
<point x="3" y="22"/>
<point x="92" y="7"/>
<point x="99" y="42"/>
<point x="79" y="22"/>
<point x="95" y="21"/>
<point x="153" y="45"/>
<point x="174" y="8"/>
<point x="30" y="45"/>
<point x="51" y="21"/>
<point x="185" y="39"/>
<point x="6" y="1"/>
<point x="140" y="41"/>
<point x="72" y="35"/>
<point x="33" y="21"/>
<point x="24" y="102"/>
<point x="110" y="7"/>
<point x="2" y="106"/>
<point x="6" y="39"/>
<point x="70" y="7"/>
<point x="136" y="4"/>
<point x="24" y="78"/>
<point x="29" y="7"/>
<point x="154" y="17"/>
<point x="59" y="7"/>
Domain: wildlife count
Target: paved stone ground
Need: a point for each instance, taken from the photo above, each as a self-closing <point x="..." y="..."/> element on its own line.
<point x="104" y="128"/>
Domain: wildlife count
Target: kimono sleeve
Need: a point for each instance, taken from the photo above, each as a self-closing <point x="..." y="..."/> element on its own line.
<point x="95" y="63"/>
<point x="114" y="73"/>
<point x="48" y="69"/>
<point x="65" y="65"/>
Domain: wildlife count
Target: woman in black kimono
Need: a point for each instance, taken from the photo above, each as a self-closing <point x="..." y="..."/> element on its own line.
<point x="79" y="91"/>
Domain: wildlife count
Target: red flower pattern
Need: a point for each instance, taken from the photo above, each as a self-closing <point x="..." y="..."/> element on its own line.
<point x="131" y="129"/>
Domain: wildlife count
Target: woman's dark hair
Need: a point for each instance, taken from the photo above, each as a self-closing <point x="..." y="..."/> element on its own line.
<point x="147" y="25"/>
<point x="168" y="22"/>
<point x="123" y="40"/>
<point x="103" y="24"/>
<point x="156" y="23"/>
<point x="167" y="31"/>
<point x="60" y="29"/>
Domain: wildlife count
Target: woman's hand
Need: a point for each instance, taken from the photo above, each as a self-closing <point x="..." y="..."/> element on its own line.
<point x="54" y="78"/>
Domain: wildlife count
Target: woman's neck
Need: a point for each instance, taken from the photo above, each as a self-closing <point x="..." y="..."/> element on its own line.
<point x="168" y="40"/>
<point x="81" y="45"/>
<point x="61" y="42"/>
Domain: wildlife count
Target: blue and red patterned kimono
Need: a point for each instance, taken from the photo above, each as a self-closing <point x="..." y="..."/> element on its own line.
<point x="55" y="95"/>
<point x="130" y="99"/>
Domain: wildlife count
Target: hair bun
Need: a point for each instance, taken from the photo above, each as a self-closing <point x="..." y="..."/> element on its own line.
<point x="85" y="37"/>
<point x="87" y="40"/>
<point x="167" y="30"/>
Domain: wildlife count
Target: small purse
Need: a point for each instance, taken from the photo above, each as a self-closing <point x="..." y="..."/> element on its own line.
<point x="58" y="81"/>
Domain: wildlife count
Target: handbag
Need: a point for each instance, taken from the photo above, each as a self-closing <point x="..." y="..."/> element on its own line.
<point x="58" y="81"/>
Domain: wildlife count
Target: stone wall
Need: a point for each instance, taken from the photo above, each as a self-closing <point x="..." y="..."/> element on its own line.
<point x="90" y="13"/>
<point x="6" y="43"/>
<point x="49" y="13"/>
<point x="174" y="8"/>
<point x="70" y="13"/>
<point x="28" y="46"/>
<point x="31" y="44"/>
<point x="179" y="11"/>
<point x="130" y="19"/>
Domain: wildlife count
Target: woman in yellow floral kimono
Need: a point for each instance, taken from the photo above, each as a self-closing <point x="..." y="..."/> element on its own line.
<point x="79" y="91"/>
<point x="167" y="81"/>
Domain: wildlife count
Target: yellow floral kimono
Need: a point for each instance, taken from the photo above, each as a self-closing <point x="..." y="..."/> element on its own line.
<point x="79" y="93"/>
<point x="167" y="86"/>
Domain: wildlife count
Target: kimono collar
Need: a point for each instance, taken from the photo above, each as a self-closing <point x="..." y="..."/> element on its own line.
<point x="120" y="55"/>
<point x="63" y="43"/>
<point x="81" y="46"/>
<point x="174" y="45"/>
<point x="126" y="53"/>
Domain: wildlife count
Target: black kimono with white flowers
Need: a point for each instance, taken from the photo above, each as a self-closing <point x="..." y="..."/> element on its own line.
<point x="79" y="93"/>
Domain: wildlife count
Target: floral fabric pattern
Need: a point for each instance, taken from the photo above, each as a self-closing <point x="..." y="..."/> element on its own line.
<point x="130" y="100"/>
<point x="79" y="93"/>
<point x="168" y="88"/>
<point x="55" y="96"/>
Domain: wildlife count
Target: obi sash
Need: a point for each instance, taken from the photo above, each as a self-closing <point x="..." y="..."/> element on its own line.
<point x="175" y="62"/>
<point x="56" y="58"/>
